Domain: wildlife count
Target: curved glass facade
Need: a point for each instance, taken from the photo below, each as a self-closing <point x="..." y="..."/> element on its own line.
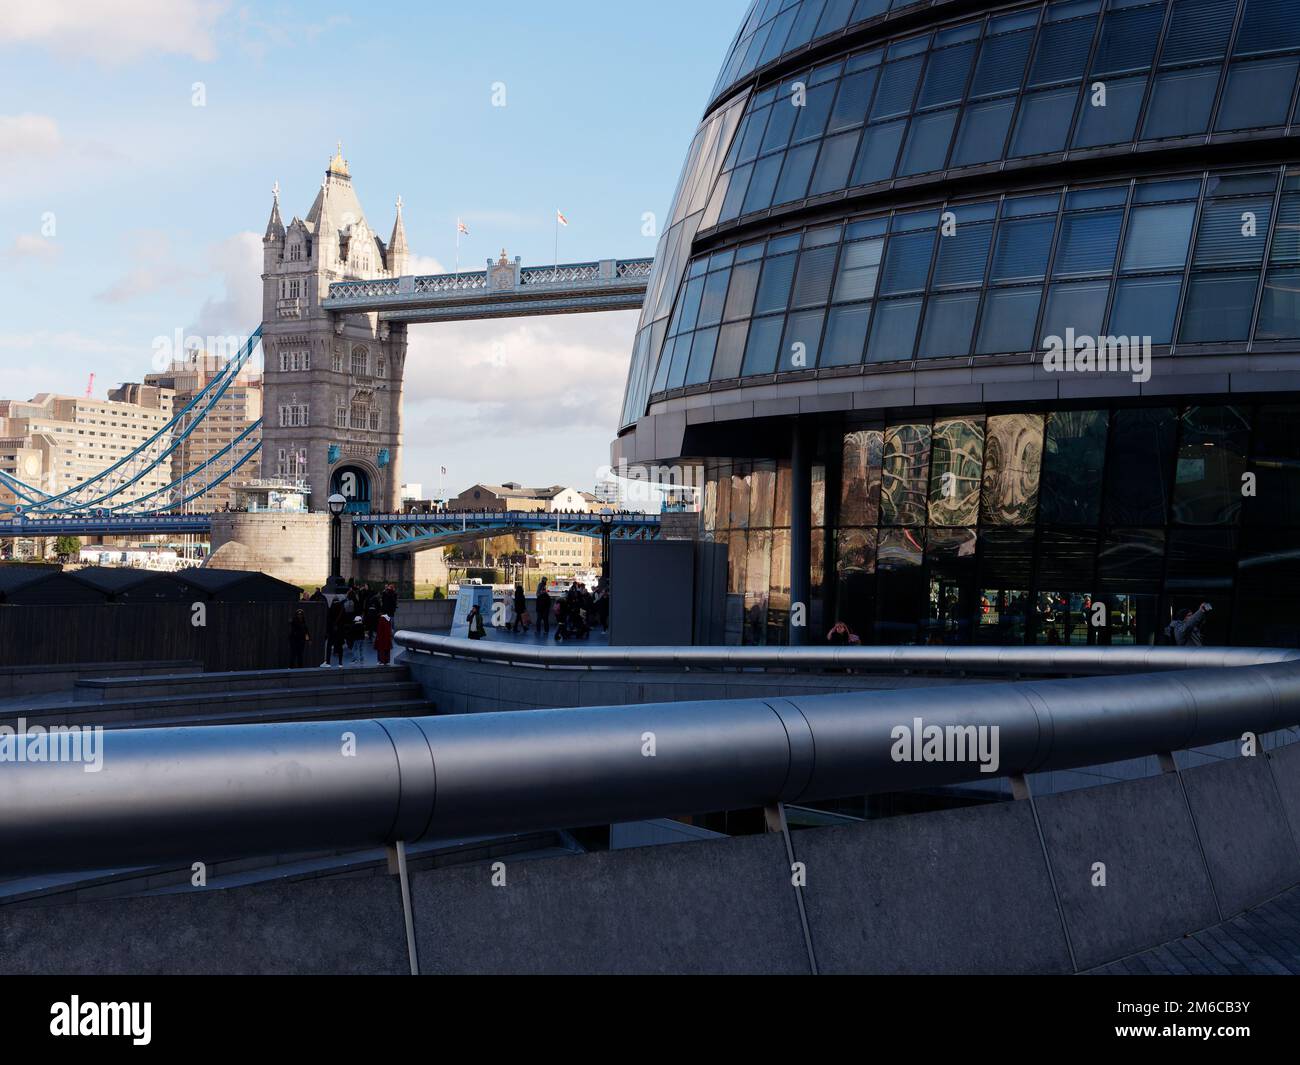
<point x="1012" y="528"/>
<point x="891" y="216"/>
<point x="1186" y="260"/>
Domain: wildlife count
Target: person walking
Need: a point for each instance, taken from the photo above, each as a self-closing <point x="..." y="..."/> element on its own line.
<point x="388" y="602"/>
<point x="299" y="638"/>
<point x="357" y="641"/>
<point x="521" y="610"/>
<point x="384" y="639"/>
<point x="336" y="634"/>
<point x="543" y="609"/>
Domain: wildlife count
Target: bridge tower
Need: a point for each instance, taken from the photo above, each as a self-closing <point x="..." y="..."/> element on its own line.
<point x="333" y="384"/>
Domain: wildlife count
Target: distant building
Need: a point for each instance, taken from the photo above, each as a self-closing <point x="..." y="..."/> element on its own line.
<point x="238" y="408"/>
<point x="55" y="442"/>
<point x="548" y="549"/>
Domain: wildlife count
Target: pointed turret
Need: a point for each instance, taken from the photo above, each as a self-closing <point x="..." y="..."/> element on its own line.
<point x="398" y="252"/>
<point x="275" y="227"/>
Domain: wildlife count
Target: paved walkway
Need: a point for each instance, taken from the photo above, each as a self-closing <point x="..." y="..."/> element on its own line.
<point x="1261" y="942"/>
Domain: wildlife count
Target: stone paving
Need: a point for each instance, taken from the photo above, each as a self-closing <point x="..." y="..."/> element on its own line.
<point x="1261" y="941"/>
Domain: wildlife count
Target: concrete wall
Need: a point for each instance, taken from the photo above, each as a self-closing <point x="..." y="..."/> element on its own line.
<point x="292" y="547"/>
<point x="976" y="890"/>
<point x="465" y="686"/>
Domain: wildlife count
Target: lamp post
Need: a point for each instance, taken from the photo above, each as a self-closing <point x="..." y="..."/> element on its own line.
<point x="606" y="562"/>
<point x="336" y="589"/>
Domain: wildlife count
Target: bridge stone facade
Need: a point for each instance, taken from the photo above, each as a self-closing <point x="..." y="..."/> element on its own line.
<point x="333" y="381"/>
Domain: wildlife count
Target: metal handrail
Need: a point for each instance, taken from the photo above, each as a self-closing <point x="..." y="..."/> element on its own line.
<point x="202" y="793"/>
<point x="1003" y="661"/>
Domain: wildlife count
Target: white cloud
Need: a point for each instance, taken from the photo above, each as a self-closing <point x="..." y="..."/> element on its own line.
<point x="154" y="267"/>
<point x="566" y="371"/>
<point x="115" y="33"/>
<point x="30" y="246"/>
<point x="239" y="261"/>
<point x="28" y="134"/>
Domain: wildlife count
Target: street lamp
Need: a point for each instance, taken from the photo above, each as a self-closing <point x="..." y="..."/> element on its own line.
<point x="336" y="589"/>
<point x="606" y="562"/>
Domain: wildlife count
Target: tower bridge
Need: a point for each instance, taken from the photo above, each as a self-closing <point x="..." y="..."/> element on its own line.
<point x="337" y="299"/>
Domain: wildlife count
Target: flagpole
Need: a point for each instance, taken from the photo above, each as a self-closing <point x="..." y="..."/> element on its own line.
<point x="458" y="245"/>
<point x="557" y="244"/>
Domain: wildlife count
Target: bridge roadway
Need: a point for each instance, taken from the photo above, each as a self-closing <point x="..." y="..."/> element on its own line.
<point x="371" y="533"/>
<point x="506" y="289"/>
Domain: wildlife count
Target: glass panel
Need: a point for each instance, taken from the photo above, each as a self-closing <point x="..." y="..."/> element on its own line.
<point x="1180" y="103"/>
<point x="1279" y="313"/>
<point x="949" y="321"/>
<point x="859" y="269"/>
<point x="879" y="153"/>
<point x="1219" y="307"/>
<point x="927" y="142"/>
<point x="1080" y="306"/>
<point x="795" y="174"/>
<point x="1008" y="322"/>
<point x="763" y="344"/>
<point x="774" y="289"/>
<point x="1138" y="480"/>
<point x="1145" y="307"/>
<point x="851" y="104"/>
<point x="945" y="77"/>
<point x="1233" y="232"/>
<point x="956" y="471"/>
<point x="762" y="183"/>
<point x="1022" y="249"/>
<point x="1276" y="464"/>
<point x="802" y="340"/>
<point x="1211" y="461"/>
<point x="897" y="87"/>
<point x="855" y="568"/>
<point x="904" y="490"/>
<point x="701" y="356"/>
<point x="715" y="292"/>
<point x="893" y="332"/>
<point x="963" y="255"/>
<point x="1268" y="26"/>
<point x="834" y="163"/>
<point x="1001" y="65"/>
<point x="1128" y="40"/>
<point x="1158" y="236"/>
<point x="813" y="282"/>
<point x="1199" y="30"/>
<point x="1258" y="94"/>
<point x="846" y="332"/>
<point x="860" y="484"/>
<point x="1013" y="455"/>
<point x="1088" y="243"/>
<point x="1113" y="121"/>
<point x="983" y="132"/>
<point x="907" y="263"/>
<point x="740" y="297"/>
<point x="731" y="347"/>
<point x="1044" y="122"/>
<point x="1074" y="454"/>
<point x="1062" y="51"/>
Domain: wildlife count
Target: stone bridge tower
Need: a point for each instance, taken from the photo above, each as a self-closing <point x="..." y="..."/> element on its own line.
<point x="333" y="384"/>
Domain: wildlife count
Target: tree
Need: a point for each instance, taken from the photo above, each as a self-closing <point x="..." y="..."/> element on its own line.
<point x="67" y="546"/>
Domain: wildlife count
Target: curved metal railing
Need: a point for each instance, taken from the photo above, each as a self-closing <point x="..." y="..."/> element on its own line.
<point x="1003" y="661"/>
<point x="187" y="794"/>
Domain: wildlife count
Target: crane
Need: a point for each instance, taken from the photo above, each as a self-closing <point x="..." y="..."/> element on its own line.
<point x="90" y="386"/>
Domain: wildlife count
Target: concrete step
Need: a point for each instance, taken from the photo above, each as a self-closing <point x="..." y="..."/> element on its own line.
<point x="103" y="689"/>
<point x="37" y="680"/>
<point x="343" y="712"/>
<point x="265" y="703"/>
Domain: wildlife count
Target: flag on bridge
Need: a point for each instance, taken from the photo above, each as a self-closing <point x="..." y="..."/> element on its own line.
<point x="461" y="227"/>
<point x="560" y="218"/>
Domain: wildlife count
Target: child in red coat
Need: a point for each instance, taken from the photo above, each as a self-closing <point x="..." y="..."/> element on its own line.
<point x="384" y="639"/>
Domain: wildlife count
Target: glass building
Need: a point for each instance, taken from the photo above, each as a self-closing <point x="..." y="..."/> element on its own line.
<point x="982" y="321"/>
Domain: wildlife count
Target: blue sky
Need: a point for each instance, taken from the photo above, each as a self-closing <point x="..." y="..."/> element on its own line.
<point x="127" y="213"/>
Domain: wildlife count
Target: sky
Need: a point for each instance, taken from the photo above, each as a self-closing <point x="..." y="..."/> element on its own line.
<point x="140" y="140"/>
